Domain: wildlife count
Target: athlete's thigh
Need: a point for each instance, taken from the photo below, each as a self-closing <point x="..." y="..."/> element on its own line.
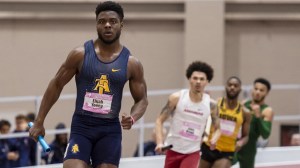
<point x="191" y="161"/>
<point x="79" y="148"/>
<point x="208" y="156"/>
<point x="222" y="163"/>
<point x="74" y="163"/>
<point x="204" y="164"/>
<point x="107" y="150"/>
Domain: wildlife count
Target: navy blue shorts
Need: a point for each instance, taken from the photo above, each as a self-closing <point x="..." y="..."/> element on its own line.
<point x="95" y="140"/>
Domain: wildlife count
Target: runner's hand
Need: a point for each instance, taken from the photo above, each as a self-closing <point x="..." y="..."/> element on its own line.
<point x="238" y="145"/>
<point x="126" y="122"/>
<point x="158" y="148"/>
<point x="256" y="110"/>
<point x="36" y="130"/>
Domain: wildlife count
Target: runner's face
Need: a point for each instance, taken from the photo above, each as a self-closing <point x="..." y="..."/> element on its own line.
<point x="198" y="81"/>
<point x="233" y="88"/>
<point x="109" y="27"/>
<point x="259" y="92"/>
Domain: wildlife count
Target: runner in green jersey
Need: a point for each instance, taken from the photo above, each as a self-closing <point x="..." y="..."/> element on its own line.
<point x="261" y="124"/>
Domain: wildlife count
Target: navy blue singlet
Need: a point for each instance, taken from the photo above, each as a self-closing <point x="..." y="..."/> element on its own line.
<point x="100" y="84"/>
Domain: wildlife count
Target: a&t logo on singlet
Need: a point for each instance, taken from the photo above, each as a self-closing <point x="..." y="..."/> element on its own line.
<point x="102" y="84"/>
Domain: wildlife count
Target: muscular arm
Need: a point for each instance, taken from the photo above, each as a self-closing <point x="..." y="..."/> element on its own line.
<point x="265" y="122"/>
<point x="65" y="73"/>
<point x="138" y="88"/>
<point x="215" y="122"/>
<point x="166" y="112"/>
<point x="245" y="129"/>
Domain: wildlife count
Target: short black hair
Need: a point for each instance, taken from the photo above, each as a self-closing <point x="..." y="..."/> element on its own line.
<point x="31" y="116"/>
<point x="60" y="126"/>
<point x="4" y="122"/>
<point x="263" y="81"/>
<point x="234" y="77"/>
<point x="110" y="6"/>
<point x="201" y="67"/>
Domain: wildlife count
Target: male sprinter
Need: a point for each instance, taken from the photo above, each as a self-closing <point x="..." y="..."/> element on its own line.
<point x="233" y="118"/>
<point x="101" y="68"/>
<point x="261" y="124"/>
<point x="190" y="109"/>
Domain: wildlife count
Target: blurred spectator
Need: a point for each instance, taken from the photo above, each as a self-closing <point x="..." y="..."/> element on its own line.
<point x="4" y="126"/>
<point x="32" y="144"/>
<point x="23" y="143"/>
<point x="58" y="147"/>
<point x="31" y="116"/>
<point x="295" y="140"/>
<point x="6" y="153"/>
<point x="149" y="146"/>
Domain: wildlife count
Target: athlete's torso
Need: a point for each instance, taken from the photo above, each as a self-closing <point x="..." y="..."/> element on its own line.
<point x="247" y="154"/>
<point x="231" y="121"/>
<point x="100" y="84"/>
<point x="188" y="123"/>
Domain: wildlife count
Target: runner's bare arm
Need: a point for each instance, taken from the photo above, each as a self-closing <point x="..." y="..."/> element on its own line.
<point x="265" y="124"/>
<point x="215" y="121"/>
<point x="268" y="114"/>
<point x="245" y="129"/>
<point x="138" y="88"/>
<point x="167" y="111"/>
<point x="68" y="69"/>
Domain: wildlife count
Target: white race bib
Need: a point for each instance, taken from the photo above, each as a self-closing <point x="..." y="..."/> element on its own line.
<point x="190" y="130"/>
<point x="97" y="103"/>
<point x="227" y="127"/>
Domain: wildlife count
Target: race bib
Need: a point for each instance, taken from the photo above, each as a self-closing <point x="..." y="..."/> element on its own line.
<point x="227" y="127"/>
<point x="97" y="103"/>
<point x="190" y="130"/>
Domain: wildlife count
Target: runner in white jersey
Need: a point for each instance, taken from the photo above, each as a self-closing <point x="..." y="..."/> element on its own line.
<point x="189" y="109"/>
<point x="188" y="123"/>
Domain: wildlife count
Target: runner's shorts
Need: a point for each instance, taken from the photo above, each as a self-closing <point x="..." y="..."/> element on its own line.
<point x="213" y="155"/>
<point x="95" y="140"/>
